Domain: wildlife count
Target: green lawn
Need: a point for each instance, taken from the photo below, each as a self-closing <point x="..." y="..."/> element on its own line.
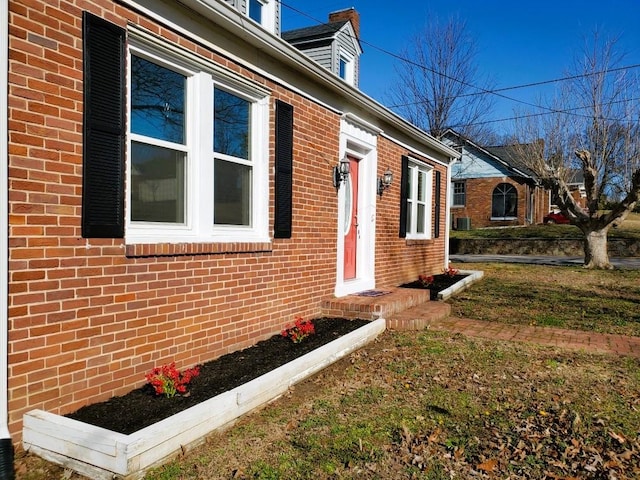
<point x="428" y="405"/>
<point x="567" y="297"/>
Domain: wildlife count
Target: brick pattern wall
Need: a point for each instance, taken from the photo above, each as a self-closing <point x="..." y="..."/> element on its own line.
<point x="399" y="260"/>
<point x="89" y="317"/>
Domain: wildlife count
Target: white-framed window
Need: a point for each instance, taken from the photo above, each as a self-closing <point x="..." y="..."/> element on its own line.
<point x="419" y="200"/>
<point x="197" y="153"/>
<point x="263" y="12"/>
<point x="255" y="10"/>
<point x="459" y="194"/>
<point x="345" y="67"/>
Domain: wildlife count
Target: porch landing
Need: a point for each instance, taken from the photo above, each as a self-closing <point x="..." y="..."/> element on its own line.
<point x="402" y="308"/>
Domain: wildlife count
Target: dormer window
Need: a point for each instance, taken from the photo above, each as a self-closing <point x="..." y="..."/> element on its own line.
<point x="345" y="68"/>
<point x="255" y="10"/>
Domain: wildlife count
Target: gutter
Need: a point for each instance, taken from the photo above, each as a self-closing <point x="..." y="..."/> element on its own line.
<point x="7" y="470"/>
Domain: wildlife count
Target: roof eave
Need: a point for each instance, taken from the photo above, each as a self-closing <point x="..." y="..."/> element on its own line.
<point x="238" y="24"/>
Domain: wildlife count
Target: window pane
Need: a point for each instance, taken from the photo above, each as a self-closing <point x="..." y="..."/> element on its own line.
<point x="458" y="193"/>
<point x="157" y="184"/>
<point x="157" y="101"/>
<point x="343" y="69"/>
<point x="420" y="224"/>
<point x="505" y="201"/>
<point x="232" y="194"/>
<point x="255" y="10"/>
<point x="231" y="124"/>
<point x="421" y="186"/>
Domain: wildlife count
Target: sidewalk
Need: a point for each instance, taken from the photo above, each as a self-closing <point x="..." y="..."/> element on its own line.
<point x="555" y="337"/>
<point x="618" y="262"/>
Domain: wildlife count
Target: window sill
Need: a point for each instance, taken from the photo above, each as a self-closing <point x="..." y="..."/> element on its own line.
<point x="419" y="241"/>
<point x="178" y="249"/>
<point x="503" y="219"/>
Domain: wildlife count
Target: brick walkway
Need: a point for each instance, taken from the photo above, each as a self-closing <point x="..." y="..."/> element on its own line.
<point x="574" y="339"/>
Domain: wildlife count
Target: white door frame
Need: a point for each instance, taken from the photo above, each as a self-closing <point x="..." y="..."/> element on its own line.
<point x="359" y="140"/>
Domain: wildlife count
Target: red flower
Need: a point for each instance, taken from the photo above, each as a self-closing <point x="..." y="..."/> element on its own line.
<point x="425" y="280"/>
<point x="167" y="380"/>
<point x="300" y="330"/>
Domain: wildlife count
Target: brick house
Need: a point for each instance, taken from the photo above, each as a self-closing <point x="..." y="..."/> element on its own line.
<point x="490" y="187"/>
<point x="175" y="192"/>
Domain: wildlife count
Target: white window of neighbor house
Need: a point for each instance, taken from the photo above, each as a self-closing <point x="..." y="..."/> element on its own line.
<point x="197" y="154"/>
<point x="459" y="194"/>
<point x="419" y="201"/>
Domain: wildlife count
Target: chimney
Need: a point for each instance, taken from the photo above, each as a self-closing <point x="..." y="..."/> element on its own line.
<point x="348" y="14"/>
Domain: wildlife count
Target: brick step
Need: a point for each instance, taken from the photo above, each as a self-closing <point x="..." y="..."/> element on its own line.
<point x="394" y="301"/>
<point x="419" y="317"/>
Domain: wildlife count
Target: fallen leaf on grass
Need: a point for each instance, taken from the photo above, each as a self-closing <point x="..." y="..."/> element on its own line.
<point x="617" y="436"/>
<point x="488" y="465"/>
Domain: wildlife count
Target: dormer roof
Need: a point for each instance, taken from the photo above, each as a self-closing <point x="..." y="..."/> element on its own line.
<point x="322" y="34"/>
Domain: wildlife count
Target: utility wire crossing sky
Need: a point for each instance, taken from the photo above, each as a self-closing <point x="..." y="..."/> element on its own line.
<point x="524" y="47"/>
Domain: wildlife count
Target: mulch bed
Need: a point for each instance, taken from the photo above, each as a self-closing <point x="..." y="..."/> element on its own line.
<point x="142" y="407"/>
<point x="440" y="282"/>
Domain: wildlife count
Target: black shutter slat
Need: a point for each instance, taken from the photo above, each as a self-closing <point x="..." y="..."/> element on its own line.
<point x="404" y="194"/>
<point x="436" y="220"/>
<point x="283" y="209"/>
<point x="104" y="128"/>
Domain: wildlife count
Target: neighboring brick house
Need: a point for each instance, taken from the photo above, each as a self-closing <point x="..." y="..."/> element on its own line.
<point x="491" y="188"/>
<point x="171" y="170"/>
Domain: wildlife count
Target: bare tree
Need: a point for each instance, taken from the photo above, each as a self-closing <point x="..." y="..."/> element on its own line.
<point x="438" y="82"/>
<point x="593" y="126"/>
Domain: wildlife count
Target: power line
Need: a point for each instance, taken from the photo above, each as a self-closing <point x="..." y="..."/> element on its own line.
<point x="480" y="90"/>
<point x="539" y="114"/>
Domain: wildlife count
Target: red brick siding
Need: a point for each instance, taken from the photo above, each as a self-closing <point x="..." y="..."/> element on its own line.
<point x="89" y="317"/>
<point x="399" y="260"/>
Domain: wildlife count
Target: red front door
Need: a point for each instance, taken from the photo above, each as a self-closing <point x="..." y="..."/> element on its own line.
<point x="351" y="221"/>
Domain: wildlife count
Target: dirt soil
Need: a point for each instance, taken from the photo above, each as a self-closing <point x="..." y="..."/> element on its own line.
<point x="142" y="407"/>
<point x="440" y="282"/>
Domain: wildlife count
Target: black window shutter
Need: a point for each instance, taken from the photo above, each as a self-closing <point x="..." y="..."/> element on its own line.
<point x="283" y="171"/>
<point x="404" y="194"/>
<point x="436" y="217"/>
<point x="104" y="128"/>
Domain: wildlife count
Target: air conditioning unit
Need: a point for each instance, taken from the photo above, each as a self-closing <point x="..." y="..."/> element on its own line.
<point x="463" y="223"/>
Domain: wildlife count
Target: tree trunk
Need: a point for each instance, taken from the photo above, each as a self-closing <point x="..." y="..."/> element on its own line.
<point x="595" y="249"/>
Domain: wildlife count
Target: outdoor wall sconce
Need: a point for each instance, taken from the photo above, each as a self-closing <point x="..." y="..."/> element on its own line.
<point x="340" y="172"/>
<point x="384" y="181"/>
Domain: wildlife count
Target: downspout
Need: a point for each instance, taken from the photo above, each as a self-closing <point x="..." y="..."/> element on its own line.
<point x="7" y="471"/>
<point x="447" y="213"/>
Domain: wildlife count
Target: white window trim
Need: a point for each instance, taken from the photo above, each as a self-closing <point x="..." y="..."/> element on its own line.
<point x="198" y="227"/>
<point x="349" y="66"/>
<point x="268" y="14"/>
<point x="415" y="166"/>
<point x="453" y="194"/>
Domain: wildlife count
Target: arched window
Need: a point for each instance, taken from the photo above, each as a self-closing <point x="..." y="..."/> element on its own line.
<point x="504" y="203"/>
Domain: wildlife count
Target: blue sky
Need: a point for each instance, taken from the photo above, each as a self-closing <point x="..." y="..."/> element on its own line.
<point x="519" y="42"/>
